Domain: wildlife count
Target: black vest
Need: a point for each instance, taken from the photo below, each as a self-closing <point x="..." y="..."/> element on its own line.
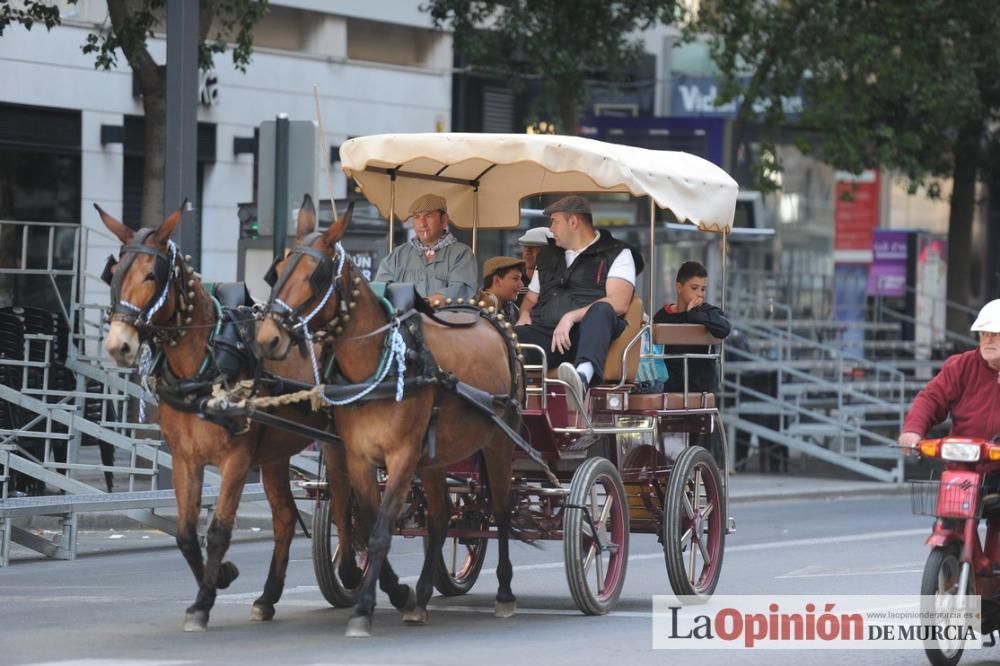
<point x="564" y="288"/>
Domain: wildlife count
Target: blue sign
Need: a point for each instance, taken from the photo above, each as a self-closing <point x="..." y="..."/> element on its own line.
<point x="698" y="95"/>
<point x="703" y="137"/>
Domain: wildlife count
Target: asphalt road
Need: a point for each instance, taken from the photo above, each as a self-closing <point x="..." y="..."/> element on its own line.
<point x="125" y="606"/>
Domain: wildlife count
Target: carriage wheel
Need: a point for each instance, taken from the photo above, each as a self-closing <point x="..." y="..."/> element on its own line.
<point x="458" y="564"/>
<point x="595" y="568"/>
<point x="326" y="556"/>
<point x="694" y="526"/>
<point x="940" y="581"/>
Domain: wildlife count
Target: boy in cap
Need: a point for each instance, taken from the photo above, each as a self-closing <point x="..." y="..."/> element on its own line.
<point x="433" y="260"/>
<point x="579" y="293"/>
<point x="691" y="308"/>
<point x="502" y="281"/>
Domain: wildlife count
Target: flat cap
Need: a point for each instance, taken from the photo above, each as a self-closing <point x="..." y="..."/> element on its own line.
<point x="538" y="237"/>
<point x="429" y="202"/>
<point x="497" y="263"/>
<point x="574" y="204"/>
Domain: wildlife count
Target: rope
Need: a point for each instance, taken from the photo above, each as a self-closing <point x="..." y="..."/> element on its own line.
<point x="145" y="368"/>
<point x="223" y="398"/>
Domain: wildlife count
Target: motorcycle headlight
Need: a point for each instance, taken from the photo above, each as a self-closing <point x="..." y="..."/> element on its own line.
<point x="960" y="452"/>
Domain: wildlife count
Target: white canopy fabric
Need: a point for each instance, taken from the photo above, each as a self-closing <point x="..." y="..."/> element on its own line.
<point x="510" y="167"/>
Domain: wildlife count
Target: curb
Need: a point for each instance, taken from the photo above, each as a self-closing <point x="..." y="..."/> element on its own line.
<point x="261" y="520"/>
<point x="828" y="494"/>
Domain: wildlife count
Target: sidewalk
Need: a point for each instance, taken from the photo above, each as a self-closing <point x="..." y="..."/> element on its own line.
<point x="760" y="487"/>
<point x="743" y="488"/>
<point x="111" y="532"/>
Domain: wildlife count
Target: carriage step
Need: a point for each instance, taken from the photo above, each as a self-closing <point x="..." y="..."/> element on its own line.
<point x="583" y="442"/>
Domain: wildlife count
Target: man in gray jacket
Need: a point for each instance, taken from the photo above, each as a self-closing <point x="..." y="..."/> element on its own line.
<point x="434" y="260"/>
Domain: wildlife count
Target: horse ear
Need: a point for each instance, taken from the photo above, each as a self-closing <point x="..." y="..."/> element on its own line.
<point x="337" y="229"/>
<point x="123" y="233"/>
<point x="165" y="230"/>
<point x="306" y="223"/>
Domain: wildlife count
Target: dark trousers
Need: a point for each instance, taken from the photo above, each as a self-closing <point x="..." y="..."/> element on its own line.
<point x="589" y="339"/>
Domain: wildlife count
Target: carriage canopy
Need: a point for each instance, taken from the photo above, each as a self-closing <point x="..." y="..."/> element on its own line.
<point x="506" y="168"/>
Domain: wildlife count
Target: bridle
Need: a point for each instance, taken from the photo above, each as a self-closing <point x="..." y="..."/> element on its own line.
<point x="324" y="281"/>
<point x="165" y="268"/>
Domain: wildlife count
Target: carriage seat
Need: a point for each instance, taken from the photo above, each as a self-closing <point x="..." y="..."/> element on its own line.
<point x="614" y="367"/>
<point x="678" y="335"/>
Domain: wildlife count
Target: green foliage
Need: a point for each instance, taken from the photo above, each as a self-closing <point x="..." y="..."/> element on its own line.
<point x="30" y="13"/>
<point x="134" y="24"/>
<point x="237" y="19"/>
<point x="560" y="43"/>
<point x="886" y="83"/>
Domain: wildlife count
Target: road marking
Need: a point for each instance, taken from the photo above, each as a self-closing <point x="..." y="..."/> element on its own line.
<point x="853" y="573"/>
<point x="823" y="571"/>
<point x="108" y="662"/>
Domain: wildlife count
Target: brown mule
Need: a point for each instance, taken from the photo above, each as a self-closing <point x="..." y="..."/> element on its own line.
<point x="311" y="292"/>
<point x="149" y="294"/>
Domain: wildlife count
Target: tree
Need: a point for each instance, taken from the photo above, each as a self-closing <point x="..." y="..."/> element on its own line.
<point x="560" y="43"/>
<point x="908" y="85"/>
<point x="132" y="22"/>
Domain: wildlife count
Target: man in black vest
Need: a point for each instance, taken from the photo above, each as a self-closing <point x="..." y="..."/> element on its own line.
<point x="581" y="289"/>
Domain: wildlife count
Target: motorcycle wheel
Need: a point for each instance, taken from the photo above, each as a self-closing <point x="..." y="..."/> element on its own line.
<point x="941" y="576"/>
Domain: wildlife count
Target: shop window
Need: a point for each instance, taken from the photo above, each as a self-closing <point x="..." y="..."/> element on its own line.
<point x="39" y="182"/>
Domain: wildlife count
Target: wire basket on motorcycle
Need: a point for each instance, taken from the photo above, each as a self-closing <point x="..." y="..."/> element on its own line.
<point x="949" y="498"/>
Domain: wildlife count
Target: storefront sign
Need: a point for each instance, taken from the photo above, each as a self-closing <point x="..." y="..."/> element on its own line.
<point x="887" y="275"/>
<point x="856" y="211"/>
<point x="208" y="88"/>
<point x="364" y="261"/>
<point x="697" y="95"/>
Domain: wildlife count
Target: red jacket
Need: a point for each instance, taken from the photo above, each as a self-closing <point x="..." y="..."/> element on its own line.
<point x="968" y="389"/>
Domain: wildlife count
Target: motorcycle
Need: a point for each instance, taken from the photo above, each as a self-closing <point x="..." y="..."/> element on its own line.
<point x="960" y="563"/>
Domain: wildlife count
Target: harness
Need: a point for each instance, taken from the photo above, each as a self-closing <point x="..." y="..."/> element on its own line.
<point x="404" y="350"/>
<point x="229" y="347"/>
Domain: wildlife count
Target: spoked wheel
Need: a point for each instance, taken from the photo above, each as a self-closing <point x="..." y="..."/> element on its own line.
<point x="327" y="552"/>
<point x="942" y="573"/>
<point x="694" y="526"/>
<point x="595" y="536"/>
<point x="457" y="566"/>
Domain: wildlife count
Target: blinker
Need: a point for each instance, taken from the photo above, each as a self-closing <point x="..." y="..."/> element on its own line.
<point x="109" y="269"/>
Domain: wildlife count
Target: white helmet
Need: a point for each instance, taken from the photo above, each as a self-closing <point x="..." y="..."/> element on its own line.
<point x="988" y="320"/>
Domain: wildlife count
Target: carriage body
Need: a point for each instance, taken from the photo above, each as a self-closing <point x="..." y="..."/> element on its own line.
<point x="627" y="451"/>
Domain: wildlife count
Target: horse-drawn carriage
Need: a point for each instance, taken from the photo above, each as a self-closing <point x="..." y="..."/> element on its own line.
<point x="499" y="447"/>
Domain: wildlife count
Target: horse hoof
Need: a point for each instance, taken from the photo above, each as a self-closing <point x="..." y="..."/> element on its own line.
<point x="359" y="626"/>
<point x="262" y="613"/>
<point x="415" y="616"/>
<point x="196" y="621"/>
<point x="404" y="598"/>
<point x="227" y="574"/>
<point x="505" y="608"/>
<point x="351" y="576"/>
<point x="411" y="601"/>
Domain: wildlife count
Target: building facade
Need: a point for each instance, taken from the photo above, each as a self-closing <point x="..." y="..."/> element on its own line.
<point x="70" y="135"/>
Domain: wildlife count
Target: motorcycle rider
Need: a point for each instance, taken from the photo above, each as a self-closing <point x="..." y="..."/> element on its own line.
<point x="967" y="387"/>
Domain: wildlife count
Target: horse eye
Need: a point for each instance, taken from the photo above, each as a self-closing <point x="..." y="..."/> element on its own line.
<point x="150" y="277"/>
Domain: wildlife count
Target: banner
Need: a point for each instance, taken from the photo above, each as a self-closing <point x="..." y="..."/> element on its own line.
<point x="887" y="275"/>
<point x="856" y="211"/>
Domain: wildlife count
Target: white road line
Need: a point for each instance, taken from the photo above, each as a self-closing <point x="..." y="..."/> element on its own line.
<point x="851" y="573"/>
<point x="109" y="662"/>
